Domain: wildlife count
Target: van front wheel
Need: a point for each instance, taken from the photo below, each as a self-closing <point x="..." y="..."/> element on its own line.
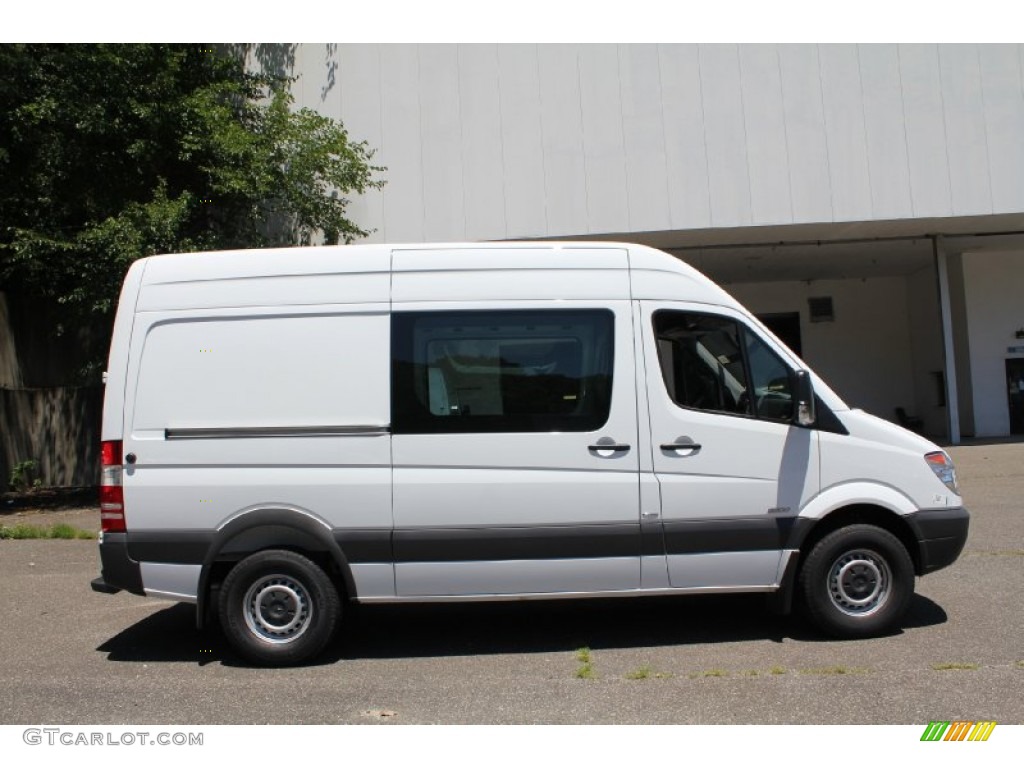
<point x="857" y="582"/>
<point x="278" y="608"/>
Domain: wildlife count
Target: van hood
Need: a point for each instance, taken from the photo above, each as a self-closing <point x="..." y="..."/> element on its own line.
<point x="869" y="427"/>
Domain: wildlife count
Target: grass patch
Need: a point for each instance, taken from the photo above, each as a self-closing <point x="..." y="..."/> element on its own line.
<point x="643" y="673"/>
<point x="585" y="671"/>
<point x="710" y="673"/>
<point x="1019" y="664"/>
<point x="954" y="665"/>
<point x="752" y="673"/>
<point x="57" y="531"/>
<point x="839" y="669"/>
<point x="777" y="670"/>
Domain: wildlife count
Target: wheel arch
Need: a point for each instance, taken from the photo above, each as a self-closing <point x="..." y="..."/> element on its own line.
<point x="814" y="529"/>
<point x="271" y="528"/>
<point x="859" y="514"/>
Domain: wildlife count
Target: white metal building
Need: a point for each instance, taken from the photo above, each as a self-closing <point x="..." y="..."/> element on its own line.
<point x="868" y="200"/>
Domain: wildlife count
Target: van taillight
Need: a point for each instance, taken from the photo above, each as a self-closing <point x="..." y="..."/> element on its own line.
<point x="111" y="490"/>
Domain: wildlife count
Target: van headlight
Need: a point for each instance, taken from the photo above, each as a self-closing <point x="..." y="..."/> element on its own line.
<point x="943" y="468"/>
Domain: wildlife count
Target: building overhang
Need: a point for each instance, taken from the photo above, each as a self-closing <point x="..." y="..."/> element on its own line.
<point x="831" y="250"/>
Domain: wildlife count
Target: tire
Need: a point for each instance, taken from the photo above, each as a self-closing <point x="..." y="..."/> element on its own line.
<point x="857" y="582"/>
<point x="278" y="608"/>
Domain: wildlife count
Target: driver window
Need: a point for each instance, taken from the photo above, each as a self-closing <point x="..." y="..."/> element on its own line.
<point x="713" y="363"/>
<point x="702" y="361"/>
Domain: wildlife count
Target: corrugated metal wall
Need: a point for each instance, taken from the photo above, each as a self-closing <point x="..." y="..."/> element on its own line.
<point x="505" y="141"/>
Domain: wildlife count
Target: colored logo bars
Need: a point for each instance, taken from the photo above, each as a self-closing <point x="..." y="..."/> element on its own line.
<point x="958" y="730"/>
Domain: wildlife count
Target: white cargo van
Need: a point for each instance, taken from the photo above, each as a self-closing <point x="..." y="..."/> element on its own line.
<point x="288" y="430"/>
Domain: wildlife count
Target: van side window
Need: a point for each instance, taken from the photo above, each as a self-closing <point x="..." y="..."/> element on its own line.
<point x="712" y="363"/>
<point x="501" y="371"/>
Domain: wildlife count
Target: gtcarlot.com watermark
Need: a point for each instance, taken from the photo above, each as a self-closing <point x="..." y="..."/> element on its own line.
<point x="72" y="738"/>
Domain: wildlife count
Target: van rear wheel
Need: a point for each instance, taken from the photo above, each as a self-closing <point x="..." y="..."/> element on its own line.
<point x="278" y="608"/>
<point x="857" y="582"/>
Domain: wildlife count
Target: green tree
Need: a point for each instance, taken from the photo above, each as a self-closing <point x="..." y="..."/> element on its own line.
<point x="113" y="152"/>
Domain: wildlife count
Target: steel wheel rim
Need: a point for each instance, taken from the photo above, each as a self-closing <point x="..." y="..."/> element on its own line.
<point x="859" y="582"/>
<point x="277" y="609"/>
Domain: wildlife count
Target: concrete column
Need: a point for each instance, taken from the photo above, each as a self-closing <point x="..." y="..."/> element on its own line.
<point x="952" y="400"/>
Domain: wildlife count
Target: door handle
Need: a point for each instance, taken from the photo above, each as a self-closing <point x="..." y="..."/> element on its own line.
<point x="607" y="445"/>
<point x="692" y="447"/>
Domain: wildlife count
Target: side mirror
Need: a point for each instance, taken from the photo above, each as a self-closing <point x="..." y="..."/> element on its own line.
<point x="803" y="392"/>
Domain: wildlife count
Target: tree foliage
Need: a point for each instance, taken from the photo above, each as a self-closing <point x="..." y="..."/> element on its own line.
<point x="113" y="152"/>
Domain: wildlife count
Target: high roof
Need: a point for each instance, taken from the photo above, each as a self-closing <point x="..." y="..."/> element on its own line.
<point x="350" y="273"/>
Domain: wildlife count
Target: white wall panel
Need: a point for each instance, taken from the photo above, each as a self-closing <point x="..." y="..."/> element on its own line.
<point x="993" y="283"/>
<point x="643" y="129"/>
<point x="319" y="88"/>
<point x="358" y="86"/>
<point x="925" y="130"/>
<point x="807" y="151"/>
<point x="1004" y="120"/>
<point x="844" y="126"/>
<point x="310" y="73"/>
<point x="522" y="145"/>
<point x="324" y="92"/>
<point x="565" y="173"/>
<point x="884" y="128"/>
<point x="603" y="142"/>
<point x="685" y="147"/>
<point x="507" y="141"/>
<point x="964" y="119"/>
<point x="765" y="132"/>
<point x="483" y="168"/>
<point x="725" y="135"/>
<point x="441" y="121"/>
<point x="401" y="142"/>
<point x="865" y="354"/>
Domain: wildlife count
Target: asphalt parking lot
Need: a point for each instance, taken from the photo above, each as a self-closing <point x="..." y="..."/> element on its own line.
<point x="68" y="655"/>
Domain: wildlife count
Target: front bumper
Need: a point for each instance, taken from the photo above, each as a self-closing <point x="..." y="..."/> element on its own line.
<point x="119" y="571"/>
<point x="941" y="535"/>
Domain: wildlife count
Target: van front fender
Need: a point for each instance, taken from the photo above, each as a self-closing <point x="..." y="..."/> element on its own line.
<point x="883" y="499"/>
<point x="857" y="493"/>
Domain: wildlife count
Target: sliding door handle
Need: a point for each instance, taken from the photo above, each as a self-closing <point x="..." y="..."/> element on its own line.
<point x="692" y="447"/>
